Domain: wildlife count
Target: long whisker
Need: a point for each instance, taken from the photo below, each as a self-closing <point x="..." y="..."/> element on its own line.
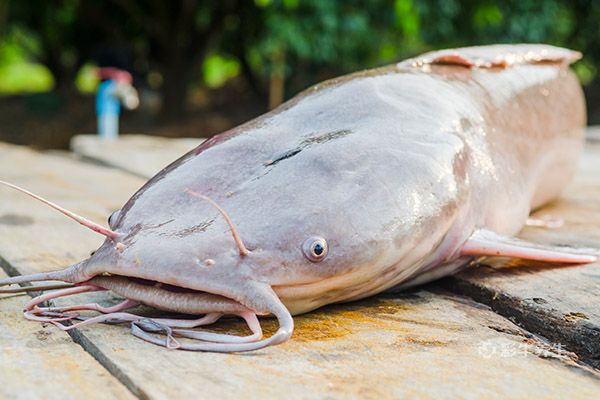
<point x="73" y="274"/>
<point x="38" y="288"/>
<point x="83" y="221"/>
<point x="61" y="293"/>
<point x="238" y="241"/>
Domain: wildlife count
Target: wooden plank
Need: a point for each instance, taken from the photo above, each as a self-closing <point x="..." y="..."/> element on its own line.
<point x="420" y="344"/>
<point x="37" y="361"/>
<point x="55" y="241"/>
<point x="49" y="240"/>
<point x="145" y="155"/>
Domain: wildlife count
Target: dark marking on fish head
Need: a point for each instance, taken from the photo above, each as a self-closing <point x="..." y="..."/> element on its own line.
<point x="281" y="157"/>
<point x="310" y="140"/>
<point x="326" y="137"/>
<point x="200" y="227"/>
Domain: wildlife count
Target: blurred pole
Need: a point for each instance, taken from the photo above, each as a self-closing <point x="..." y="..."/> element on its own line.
<point x="277" y="81"/>
<point x="115" y="89"/>
<point x="108" y="110"/>
<point x="108" y="126"/>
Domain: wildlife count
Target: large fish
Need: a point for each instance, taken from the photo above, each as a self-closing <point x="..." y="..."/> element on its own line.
<point x="381" y="179"/>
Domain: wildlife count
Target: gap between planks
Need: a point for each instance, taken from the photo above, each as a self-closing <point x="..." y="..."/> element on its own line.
<point x="87" y="345"/>
<point x="582" y="339"/>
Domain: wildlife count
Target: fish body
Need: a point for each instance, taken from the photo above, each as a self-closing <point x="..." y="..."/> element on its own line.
<point x="388" y="177"/>
<point x="395" y="167"/>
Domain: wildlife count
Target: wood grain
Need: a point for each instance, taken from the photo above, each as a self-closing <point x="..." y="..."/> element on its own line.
<point x="36" y="361"/>
<point x="48" y="239"/>
<point x="144" y="155"/>
<point x="418" y="345"/>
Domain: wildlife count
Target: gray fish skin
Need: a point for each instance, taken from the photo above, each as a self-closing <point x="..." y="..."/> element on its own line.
<point x="395" y="167"/>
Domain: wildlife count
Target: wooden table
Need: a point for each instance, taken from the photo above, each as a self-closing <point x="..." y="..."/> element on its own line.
<point x="500" y="330"/>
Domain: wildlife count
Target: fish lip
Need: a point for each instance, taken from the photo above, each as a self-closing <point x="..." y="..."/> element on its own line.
<point x="241" y="286"/>
<point x="224" y="303"/>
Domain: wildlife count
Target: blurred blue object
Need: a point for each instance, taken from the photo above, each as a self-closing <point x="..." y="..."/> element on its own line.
<point x="108" y="109"/>
<point x="116" y="88"/>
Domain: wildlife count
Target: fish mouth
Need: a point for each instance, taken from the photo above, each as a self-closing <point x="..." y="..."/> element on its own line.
<point x="172" y="333"/>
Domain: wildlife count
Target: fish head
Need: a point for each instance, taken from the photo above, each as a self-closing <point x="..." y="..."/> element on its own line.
<point x="321" y="223"/>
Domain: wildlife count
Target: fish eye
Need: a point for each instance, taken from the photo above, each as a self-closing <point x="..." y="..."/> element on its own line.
<point x="315" y="248"/>
<point x="113" y="218"/>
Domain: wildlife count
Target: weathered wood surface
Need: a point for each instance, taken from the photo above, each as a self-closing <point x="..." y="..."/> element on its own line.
<point x="560" y="303"/>
<point x="422" y="344"/>
<point x="36" y="361"/>
<point x="146" y="156"/>
<point x="87" y="189"/>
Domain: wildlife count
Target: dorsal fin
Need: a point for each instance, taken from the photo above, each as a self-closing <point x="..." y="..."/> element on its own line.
<point x="496" y="56"/>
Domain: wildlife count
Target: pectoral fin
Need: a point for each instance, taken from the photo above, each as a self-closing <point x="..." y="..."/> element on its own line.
<point x="488" y="243"/>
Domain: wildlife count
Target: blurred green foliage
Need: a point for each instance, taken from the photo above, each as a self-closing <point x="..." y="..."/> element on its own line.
<point x="217" y="69"/>
<point x="87" y="79"/>
<point x="277" y="47"/>
<point x="17" y="73"/>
